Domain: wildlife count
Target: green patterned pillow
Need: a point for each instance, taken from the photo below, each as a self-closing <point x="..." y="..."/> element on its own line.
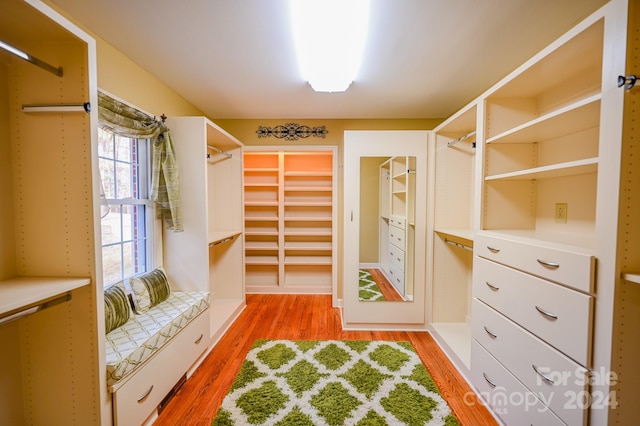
<point x="116" y="307"/>
<point x="149" y="289"/>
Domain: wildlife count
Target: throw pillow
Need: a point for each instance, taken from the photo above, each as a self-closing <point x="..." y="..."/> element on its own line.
<point x="116" y="307"/>
<point x="149" y="289"/>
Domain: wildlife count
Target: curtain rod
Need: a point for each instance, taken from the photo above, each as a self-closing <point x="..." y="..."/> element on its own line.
<point x="461" y="138"/>
<point x="30" y="58"/>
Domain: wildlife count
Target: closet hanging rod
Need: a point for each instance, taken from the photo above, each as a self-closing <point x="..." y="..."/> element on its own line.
<point x="223" y="152"/>
<point x="461" y="138"/>
<point x="32" y="309"/>
<point x="84" y="107"/>
<point x="29" y="58"/>
<point x="448" y="241"/>
<point x="225" y="240"/>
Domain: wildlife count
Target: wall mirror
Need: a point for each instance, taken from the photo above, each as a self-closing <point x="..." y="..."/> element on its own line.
<point x="387" y="228"/>
<point x="385" y="218"/>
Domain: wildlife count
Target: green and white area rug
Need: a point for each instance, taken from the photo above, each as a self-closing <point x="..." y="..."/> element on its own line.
<point x="363" y="383"/>
<point x="368" y="289"/>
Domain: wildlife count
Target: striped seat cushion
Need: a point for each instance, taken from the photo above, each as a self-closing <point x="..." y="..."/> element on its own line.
<point x="131" y="344"/>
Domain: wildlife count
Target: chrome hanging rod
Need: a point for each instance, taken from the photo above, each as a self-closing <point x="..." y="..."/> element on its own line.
<point x="220" y="151"/>
<point x="29" y="58"/>
<point x="225" y="240"/>
<point x="84" y="107"/>
<point x="461" y="138"/>
<point x="32" y="309"/>
<point x="458" y="244"/>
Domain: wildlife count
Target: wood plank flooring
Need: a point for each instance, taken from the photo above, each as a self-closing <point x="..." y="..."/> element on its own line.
<point x="302" y="317"/>
<point x="385" y="286"/>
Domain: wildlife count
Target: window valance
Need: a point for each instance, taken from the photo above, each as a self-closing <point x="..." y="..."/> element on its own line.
<point x="122" y="119"/>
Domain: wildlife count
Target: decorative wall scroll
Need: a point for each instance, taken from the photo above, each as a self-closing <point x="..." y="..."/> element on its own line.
<point x="292" y="131"/>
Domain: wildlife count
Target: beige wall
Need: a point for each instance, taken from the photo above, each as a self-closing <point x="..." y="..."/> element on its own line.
<point x="120" y="76"/>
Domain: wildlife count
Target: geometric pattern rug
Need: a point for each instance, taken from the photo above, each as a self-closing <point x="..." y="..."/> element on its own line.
<point x="333" y="382"/>
<point x="368" y="289"/>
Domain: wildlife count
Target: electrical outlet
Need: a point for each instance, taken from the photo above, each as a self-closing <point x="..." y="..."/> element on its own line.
<point x="561" y="212"/>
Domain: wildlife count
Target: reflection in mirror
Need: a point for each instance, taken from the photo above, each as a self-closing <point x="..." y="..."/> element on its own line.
<point x="387" y="228"/>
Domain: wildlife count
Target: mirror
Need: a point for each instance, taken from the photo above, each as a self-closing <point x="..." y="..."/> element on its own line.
<point x="387" y="228"/>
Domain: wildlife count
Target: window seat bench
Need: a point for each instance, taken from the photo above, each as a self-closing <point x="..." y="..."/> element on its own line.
<point x="150" y="353"/>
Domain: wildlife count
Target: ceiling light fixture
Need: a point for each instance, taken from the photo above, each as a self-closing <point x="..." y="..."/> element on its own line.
<point x="329" y="37"/>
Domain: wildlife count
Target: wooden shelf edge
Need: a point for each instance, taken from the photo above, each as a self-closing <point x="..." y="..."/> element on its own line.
<point x="20" y="292"/>
<point x="571" y="168"/>
<point x="632" y="277"/>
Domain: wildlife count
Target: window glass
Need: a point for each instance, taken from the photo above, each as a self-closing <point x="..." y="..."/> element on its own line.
<point x="124" y="171"/>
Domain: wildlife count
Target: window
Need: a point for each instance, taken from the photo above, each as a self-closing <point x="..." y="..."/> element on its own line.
<point x="126" y="207"/>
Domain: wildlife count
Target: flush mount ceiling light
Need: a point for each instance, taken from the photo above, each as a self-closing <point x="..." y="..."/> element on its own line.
<point x="329" y="37"/>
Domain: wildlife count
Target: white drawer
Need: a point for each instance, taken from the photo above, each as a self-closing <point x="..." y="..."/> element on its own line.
<point x="396" y="236"/>
<point x="533" y="302"/>
<point x="508" y="398"/>
<point x="543" y="370"/>
<point x="136" y="399"/>
<point x="396" y="278"/>
<point x="398" y="222"/>
<point x="562" y="266"/>
<point x="397" y="256"/>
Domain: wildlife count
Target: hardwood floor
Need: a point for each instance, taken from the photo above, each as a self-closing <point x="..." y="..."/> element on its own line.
<point x="302" y="317"/>
<point x="384" y="285"/>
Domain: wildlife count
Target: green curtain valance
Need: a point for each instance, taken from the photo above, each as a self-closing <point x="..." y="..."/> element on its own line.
<point x="121" y="119"/>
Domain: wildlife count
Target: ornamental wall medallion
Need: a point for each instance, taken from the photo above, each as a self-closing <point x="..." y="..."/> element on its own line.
<point x="292" y="131"/>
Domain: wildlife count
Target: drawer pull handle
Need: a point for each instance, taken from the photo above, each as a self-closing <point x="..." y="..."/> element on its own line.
<point x="490" y="333"/>
<point x="547" y="379"/>
<point x="491" y="286"/>
<point x="145" y="395"/>
<point x="550" y="265"/>
<point x="398" y="259"/>
<point x="493" y="249"/>
<point x="493" y="385"/>
<point x="546" y="313"/>
<point x="199" y="339"/>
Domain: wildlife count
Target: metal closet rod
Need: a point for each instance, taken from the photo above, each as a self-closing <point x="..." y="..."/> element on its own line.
<point x="225" y="153"/>
<point x="457" y="244"/>
<point x="33" y="308"/>
<point x="461" y="138"/>
<point x="30" y="58"/>
<point x="84" y="107"/>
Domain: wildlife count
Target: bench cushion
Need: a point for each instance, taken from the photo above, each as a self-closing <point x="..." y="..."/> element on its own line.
<point x="131" y="344"/>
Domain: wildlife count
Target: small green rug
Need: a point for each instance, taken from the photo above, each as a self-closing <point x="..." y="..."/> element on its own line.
<point x="332" y="382"/>
<point x="368" y="289"/>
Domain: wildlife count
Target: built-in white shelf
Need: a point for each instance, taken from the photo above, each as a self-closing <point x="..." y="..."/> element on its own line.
<point x="24" y="292"/>
<point x="570" y="168"/>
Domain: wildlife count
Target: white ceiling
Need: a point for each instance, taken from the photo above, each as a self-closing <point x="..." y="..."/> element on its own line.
<point x="234" y="58"/>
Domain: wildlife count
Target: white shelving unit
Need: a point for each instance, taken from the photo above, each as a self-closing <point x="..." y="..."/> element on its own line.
<point x="453" y="173"/>
<point x="208" y="254"/>
<point x="51" y="313"/>
<point x="397" y="223"/>
<point x="556" y="135"/>
<point x="289" y="202"/>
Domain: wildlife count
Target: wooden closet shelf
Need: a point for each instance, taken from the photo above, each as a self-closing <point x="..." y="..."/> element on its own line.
<point x="572" y="118"/>
<point x="21" y="292"/>
<point x="571" y="168"/>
